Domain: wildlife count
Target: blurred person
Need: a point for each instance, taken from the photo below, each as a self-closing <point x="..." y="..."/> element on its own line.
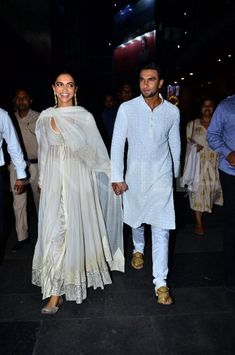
<point x="209" y="188"/>
<point x="221" y="138"/>
<point x="151" y="126"/>
<point x="125" y="92"/>
<point x="8" y="133"/>
<point x="24" y="120"/>
<point x="80" y="232"/>
<point x="108" y="116"/>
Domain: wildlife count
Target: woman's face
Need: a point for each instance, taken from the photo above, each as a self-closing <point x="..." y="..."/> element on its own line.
<point x="207" y="108"/>
<point x="65" y="89"/>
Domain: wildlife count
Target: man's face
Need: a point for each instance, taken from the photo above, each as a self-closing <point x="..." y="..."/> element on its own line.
<point x="22" y="101"/>
<point x="149" y="83"/>
<point x="126" y="93"/>
<point x="109" y="101"/>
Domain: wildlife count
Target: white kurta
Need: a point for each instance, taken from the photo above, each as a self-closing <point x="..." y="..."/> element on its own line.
<point x="153" y="150"/>
<point x="80" y="218"/>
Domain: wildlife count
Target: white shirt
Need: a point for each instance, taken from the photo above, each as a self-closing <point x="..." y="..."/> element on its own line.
<point x="153" y="150"/>
<point x="7" y="132"/>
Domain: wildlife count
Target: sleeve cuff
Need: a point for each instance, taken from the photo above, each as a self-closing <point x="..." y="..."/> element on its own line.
<point x="226" y="151"/>
<point x="20" y="173"/>
<point x="117" y="178"/>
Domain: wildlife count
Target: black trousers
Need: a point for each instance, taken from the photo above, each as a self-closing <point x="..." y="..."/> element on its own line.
<point x="228" y="187"/>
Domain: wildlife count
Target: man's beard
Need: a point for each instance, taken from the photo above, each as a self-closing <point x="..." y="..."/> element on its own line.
<point x="149" y="95"/>
<point x="22" y="107"/>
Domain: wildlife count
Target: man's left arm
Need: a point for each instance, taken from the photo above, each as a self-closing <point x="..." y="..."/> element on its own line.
<point x="175" y="144"/>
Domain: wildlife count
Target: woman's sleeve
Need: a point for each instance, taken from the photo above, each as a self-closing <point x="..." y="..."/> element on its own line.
<point x="189" y="131"/>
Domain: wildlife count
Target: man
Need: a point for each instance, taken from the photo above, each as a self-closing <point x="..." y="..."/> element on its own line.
<point x="108" y="116"/>
<point x="221" y="138"/>
<point x="7" y="132"/>
<point x="125" y="92"/>
<point x="24" y="121"/>
<point x="151" y="126"/>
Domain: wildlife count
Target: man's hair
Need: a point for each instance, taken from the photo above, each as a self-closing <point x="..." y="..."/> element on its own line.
<point x="153" y="66"/>
<point x="22" y="89"/>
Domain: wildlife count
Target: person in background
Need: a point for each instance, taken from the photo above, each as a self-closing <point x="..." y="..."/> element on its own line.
<point x="221" y="138"/>
<point x="151" y="126"/>
<point x="108" y="116"/>
<point x="80" y="229"/>
<point x="125" y="92"/>
<point x="8" y="133"/>
<point x="24" y="120"/>
<point x="209" y="191"/>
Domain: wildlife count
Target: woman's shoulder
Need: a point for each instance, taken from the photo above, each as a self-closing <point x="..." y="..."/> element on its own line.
<point x="46" y="113"/>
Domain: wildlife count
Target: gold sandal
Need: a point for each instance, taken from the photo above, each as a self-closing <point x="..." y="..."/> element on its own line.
<point x="163" y="296"/>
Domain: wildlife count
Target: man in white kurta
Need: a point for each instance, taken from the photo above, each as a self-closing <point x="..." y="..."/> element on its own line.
<point x="150" y="125"/>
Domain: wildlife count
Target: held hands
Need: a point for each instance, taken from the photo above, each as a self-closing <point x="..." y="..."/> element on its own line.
<point x="231" y="158"/>
<point x="119" y="187"/>
<point x="20" y="186"/>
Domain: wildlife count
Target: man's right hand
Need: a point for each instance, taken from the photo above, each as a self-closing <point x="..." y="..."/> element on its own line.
<point x="20" y="186"/>
<point x="231" y="158"/>
<point x="119" y="187"/>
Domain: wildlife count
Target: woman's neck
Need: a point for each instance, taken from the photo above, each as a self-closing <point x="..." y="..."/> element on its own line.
<point x="205" y="121"/>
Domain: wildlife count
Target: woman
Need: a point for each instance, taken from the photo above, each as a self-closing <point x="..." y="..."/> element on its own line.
<point x="209" y="191"/>
<point x="80" y="219"/>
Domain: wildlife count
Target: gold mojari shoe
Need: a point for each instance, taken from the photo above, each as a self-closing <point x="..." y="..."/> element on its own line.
<point x="137" y="261"/>
<point x="163" y="296"/>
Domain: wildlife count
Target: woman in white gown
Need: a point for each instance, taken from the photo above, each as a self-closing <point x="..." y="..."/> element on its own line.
<point x="80" y="219"/>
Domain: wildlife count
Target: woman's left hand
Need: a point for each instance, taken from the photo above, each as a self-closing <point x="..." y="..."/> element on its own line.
<point x="199" y="147"/>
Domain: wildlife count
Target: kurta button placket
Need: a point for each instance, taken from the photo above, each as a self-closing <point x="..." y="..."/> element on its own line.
<point x="151" y="123"/>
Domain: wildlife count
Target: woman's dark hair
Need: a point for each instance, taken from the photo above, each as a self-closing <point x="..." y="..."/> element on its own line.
<point x="64" y="71"/>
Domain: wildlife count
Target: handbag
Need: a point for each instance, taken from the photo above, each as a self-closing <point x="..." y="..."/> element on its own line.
<point x="191" y="171"/>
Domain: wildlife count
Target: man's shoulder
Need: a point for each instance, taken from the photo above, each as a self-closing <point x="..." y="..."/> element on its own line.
<point x="34" y="114"/>
<point x="171" y="107"/>
<point x="230" y="100"/>
<point x="3" y="113"/>
<point x="130" y="103"/>
<point x="4" y="117"/>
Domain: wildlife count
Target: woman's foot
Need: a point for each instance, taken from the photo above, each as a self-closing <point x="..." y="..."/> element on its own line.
<point x="199" y="230"/>
<point x="53" y="305"/>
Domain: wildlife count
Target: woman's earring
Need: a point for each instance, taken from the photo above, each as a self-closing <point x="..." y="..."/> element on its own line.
<point x="56" y="101"/>
<point x="75" y="100"/>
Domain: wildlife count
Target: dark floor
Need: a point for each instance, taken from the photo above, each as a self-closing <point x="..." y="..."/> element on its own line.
<point x="125" y="317"/>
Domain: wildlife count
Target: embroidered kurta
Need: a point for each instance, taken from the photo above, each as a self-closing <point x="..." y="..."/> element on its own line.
<point x="80" y="218"/>
<point x="153" y="153"/>
<point x="209" y="188"/>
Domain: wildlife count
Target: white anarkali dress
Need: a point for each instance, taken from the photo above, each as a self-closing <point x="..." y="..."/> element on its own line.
<point x="80" y="219"/>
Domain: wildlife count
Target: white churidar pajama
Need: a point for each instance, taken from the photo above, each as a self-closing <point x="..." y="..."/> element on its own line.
<point x="160" y="240"/>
